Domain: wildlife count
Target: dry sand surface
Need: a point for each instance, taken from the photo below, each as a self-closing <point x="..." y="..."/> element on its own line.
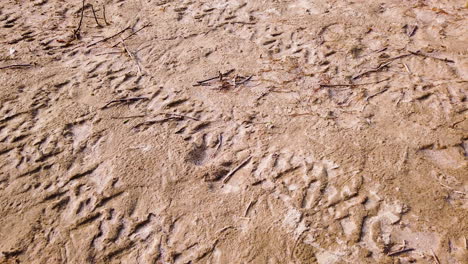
<point x="239" y="131"/>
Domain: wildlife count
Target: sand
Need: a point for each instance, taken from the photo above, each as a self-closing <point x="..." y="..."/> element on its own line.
<point x="330" y="131"/>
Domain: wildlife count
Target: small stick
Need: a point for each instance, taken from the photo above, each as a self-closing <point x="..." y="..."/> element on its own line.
<point x="220" y="139"/>
<point x="199" y="83"/>
<point x="183" y="116"/>
<point x="218" y="147"/>
<point x="401" y="251"/>
<point x="248" y="207"/>
<point x="132" y="57"/>
<point x="112" y="52"/>
<point x="435" y="257"/>
<point x="381" y="66"/>
<point x="104" y="14"/>
<point x="452" y="189"/>
<point x="94" y="13"/>
<point x="411" y="30"/>
<point x="352" y="84"/>
<point x="377" y="93"/>
<point x="224" y="229"/>
<point x="151" y="122"/>
<point x="418" y="53"/>
<point x="106" y="39"/>
<point x="76" y="33"/>
<point x="16" y="66"/>
<point x="129" y="36"/>
<point x="132" y="99"/>
<point x="245" y="80"/>
<point x="127" y="117"/>
<point x="231" y="173"/>
<point x="407" y="68"/>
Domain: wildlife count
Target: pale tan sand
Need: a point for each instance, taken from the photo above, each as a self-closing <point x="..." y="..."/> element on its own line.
<point x="294" y="165"/>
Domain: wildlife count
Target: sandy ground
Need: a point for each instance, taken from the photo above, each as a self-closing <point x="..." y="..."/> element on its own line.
<point x="340" y="136"/>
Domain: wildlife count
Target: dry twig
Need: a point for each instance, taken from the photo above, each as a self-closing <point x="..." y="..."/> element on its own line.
<point x="104" y="14"/>
<point x="132" y="56"/>
<point x="435" y="257"/>
<point x="200" y="83"/>
<point x="377" y="93"/>
<point x="127" y="117"/>
<point x="352" y="84"/>
<point x="231" y="173"/>
<point x="151" y="122"/>
<point x="244" y="81"/>
<point x="182" y="116"/>
<point x="418" y="53"/>
<point x="401" y="251"/>
<point x="16" y="66"/>
<point x="76" y="33"/>
<point x="381" y="66"/>
<point x="94" y="14"/>
<point x="132" y="34"/>
<point x="248" y="208"/>
<point x="108" y="38"/>
<point x="124" y="100"/>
